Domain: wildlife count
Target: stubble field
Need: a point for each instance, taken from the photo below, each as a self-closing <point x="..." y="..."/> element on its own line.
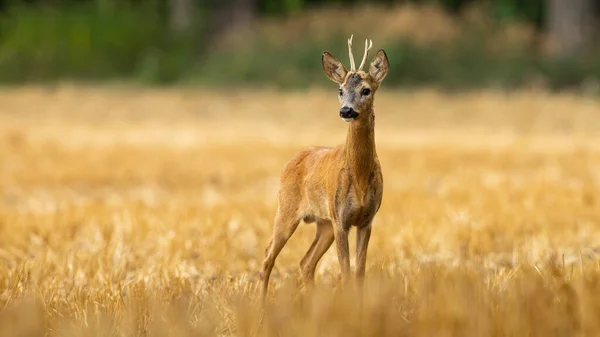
<point x="146" y="212"/>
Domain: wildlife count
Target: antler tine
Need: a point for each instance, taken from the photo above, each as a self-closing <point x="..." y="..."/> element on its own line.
<point x="352" y="64"/>
<point x="368" y="45"/>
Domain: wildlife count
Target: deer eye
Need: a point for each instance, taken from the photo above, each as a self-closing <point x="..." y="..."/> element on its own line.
<point x="366" y="91"/>
<point x="341" y="92"/>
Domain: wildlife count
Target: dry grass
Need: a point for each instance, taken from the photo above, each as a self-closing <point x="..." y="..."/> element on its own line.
<point x="145" y="212"/>
<point x="422" y="24"/>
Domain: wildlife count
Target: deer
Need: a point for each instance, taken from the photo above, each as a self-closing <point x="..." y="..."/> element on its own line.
<point x="339" y="187"/>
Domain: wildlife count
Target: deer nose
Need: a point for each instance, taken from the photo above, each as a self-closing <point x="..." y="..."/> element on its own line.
<point x="347" y="112"/>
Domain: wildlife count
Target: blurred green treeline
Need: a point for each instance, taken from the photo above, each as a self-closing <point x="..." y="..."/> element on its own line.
<point x="278" y="43"/>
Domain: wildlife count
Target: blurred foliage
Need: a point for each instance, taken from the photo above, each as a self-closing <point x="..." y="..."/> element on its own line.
<point x="462" y="65"/>
<point x="105" y="39"/>
<point x="89" y="42"/>
<point x="530" y="10"/>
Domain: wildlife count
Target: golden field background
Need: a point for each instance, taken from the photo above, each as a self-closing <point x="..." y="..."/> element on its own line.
<point x="145" y="212"/>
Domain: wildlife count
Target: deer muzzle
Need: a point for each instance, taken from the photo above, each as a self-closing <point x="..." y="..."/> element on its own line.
<point x="348" y="114"/>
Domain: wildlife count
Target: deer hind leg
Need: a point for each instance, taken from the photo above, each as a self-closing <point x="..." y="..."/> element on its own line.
<point x="323" y="239"/>
<point x="285" y="226"/>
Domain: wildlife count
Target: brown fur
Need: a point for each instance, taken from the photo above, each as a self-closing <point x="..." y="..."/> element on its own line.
<point x="335" y="187"/>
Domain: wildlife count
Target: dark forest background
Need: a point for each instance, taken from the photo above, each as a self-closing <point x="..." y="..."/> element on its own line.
<point x="277" y="43"/>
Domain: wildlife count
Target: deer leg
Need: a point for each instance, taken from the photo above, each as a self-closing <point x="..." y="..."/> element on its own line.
<point x="323" y="240"/>
<point x="343" y="252"/>
<point x="283" y="229"/>
<point x="363" y="234"/>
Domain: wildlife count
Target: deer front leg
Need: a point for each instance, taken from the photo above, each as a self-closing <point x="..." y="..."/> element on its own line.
<point x="343" y="252"/>
<point x="363" y="234"/>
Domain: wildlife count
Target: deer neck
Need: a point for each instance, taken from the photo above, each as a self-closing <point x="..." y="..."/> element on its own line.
<point x="360" y="153"/>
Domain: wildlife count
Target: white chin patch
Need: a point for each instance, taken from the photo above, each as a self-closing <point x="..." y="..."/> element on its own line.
<point x="348" y="119"/>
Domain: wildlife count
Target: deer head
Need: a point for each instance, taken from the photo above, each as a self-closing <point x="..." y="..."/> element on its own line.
<point x="357" y="87"/>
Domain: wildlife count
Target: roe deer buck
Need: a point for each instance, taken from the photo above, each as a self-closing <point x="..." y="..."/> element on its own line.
<point x="335" y="187"/>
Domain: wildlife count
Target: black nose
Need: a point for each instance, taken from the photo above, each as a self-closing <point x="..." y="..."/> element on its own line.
<point x="347" y="112"/>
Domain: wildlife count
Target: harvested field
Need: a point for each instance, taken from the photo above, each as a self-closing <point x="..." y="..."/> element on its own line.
<point x="146" y="212"/>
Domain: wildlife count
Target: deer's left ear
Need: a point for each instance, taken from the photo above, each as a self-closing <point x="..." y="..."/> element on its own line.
<point x="379" y="66"/>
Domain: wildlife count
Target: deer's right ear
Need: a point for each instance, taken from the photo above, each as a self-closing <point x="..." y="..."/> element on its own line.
<point x="334" y="69"/>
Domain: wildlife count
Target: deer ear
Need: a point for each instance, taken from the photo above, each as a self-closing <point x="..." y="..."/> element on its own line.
<point x="334" y="69"/>
<point x="379" y="66"/>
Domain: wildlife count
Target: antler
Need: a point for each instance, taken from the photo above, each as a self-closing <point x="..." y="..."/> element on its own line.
<point x="352" y="64"/>
<point x="368" y="45"/>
